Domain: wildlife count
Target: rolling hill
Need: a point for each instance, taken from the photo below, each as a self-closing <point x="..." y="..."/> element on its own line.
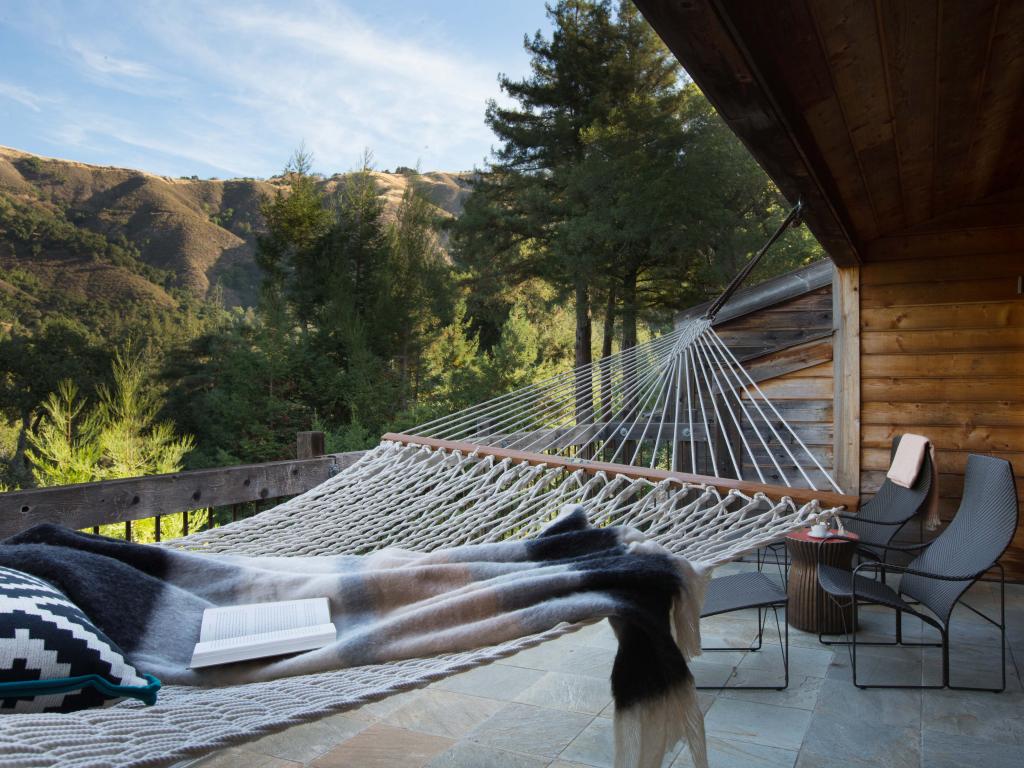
<point x="73" y="234"/>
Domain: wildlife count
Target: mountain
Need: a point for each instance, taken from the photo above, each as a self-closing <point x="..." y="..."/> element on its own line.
<point x="73" y="234"/>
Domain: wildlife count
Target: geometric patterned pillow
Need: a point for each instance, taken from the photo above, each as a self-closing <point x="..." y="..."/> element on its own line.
<point x="53" y="659"/>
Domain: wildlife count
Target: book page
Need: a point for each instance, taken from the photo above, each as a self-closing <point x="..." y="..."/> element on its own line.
<point x="239" y="621"/>
<point x="283" y="641"/>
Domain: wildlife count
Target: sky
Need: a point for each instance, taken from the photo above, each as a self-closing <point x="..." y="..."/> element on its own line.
<point x="228" y="88"/>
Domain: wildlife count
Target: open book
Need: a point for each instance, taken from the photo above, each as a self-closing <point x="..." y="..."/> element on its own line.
<point x="240" y="632"/>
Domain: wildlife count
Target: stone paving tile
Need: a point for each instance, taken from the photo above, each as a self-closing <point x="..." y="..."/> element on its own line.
<point x="561" y="656"/>
<point x="994" y="717"/>
<point x="943" y="750"/>
<point x="467" y="754"/>
<point x="302" y="743"/>
<point x="443" y="713"/>
<point x="805" y="661"/>
<point x="850" y="743"/>
<point x="730" y="658"/>
<point x="799" y="639"/>
<point x="723" y="753"/>
<point x="384" y="746"/>
<point x="894" y="665"/>
<point x="595" y="746"/>
<point x="802" y="692"/>
<point x="494" y="681"/>
<point x="773" y="726"/>
<point x="899" y="708"/>
<point x="575" y="693"/>
<point x="236" y="757"/>
<point x="530" y="730"/>
<point x="971" y="664"/>
<point x="371" y="713"/>
<point x="707" y="673"/>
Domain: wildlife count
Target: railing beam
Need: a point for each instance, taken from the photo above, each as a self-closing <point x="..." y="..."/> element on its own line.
<point x="86" y="505"/>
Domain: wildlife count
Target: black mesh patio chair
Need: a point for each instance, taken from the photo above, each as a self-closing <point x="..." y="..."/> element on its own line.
<point x="742" y="591"/>
<point x="889" y="510"/>
<point x="949" y="564"/>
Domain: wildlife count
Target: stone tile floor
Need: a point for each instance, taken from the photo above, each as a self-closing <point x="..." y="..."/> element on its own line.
<point x="550" y="706"/>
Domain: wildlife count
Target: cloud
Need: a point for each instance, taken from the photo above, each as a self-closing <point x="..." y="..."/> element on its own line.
<point x="23" y="96"/>
<point x="328" y="77"/>
<point x="106" y="64"/>
<point x="237" y="85"/>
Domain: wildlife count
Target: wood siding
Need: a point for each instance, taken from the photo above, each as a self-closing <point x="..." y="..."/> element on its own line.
<point x="942" y="354"/>
<point x="787" y="349"/>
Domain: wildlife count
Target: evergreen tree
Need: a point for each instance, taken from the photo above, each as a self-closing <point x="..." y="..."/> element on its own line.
<point x="526" y="199"/>
<point x="122" y="436"/>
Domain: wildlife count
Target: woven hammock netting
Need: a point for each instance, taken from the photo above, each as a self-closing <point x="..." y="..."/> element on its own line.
<point x="597" y="435"/>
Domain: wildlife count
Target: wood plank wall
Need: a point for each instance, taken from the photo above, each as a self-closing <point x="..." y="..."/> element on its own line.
<point x="942" y="354"/>
<point x="787" y="349"/>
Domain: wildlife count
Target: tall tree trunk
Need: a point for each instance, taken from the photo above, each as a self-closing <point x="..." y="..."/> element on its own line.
<point x="606" y="370"/>
<point x="628" y="342"/>
<point x="19" y="464"/>
<point x="629" y="309"/>
<point x="584" y="380"/>
<point x="606" y="352"/>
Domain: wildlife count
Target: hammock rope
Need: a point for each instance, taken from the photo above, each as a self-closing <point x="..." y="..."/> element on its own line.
<point x="634" y="417"/>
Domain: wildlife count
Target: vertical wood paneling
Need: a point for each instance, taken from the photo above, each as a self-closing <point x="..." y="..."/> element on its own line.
<point x="846" y="374"/>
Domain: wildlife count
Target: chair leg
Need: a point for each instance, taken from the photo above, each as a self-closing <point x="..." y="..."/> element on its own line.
<point x="783" y="644"/>
<point x="761" y="618"/>
<point x="852" y="644"/>
<point x="883" y="643"/>
<point x="1002" y="642"/>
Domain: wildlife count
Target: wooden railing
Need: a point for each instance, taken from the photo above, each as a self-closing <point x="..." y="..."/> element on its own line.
<point x="88" y="505"/>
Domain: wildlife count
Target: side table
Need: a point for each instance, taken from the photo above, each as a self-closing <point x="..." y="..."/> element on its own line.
<point x="810" y="608"/>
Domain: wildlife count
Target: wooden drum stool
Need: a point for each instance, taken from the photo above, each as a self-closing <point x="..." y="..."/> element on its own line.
<point x="810" y="608"/>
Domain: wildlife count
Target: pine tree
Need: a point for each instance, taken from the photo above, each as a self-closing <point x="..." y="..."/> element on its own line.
<point x="526" y="199"/>
<point x="65" y="447"/>
<point x="121" y="436"/>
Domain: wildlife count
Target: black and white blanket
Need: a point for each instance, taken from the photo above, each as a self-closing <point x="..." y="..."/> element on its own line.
<point x="396" y="604"/>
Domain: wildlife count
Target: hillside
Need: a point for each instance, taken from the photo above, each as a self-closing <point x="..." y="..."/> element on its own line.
<point x="73" y="234"/>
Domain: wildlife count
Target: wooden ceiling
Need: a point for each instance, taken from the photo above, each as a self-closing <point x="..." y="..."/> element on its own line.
<point x="886" y="117"/>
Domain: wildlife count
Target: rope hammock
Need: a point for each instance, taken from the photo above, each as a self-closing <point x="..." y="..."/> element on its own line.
<point x="673" y="437"/>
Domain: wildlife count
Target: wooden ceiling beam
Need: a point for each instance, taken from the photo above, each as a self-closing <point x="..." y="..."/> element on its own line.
<point x="909" y="31"/>
<point x="996" y="160"/>
<point x="966" y="33"/>
<point x="702" y="36"/>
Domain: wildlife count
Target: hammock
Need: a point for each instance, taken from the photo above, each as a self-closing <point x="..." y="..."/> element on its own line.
<point x="626" y="437"/>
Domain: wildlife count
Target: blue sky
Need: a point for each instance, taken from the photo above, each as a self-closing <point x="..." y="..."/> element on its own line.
<point x="231" y="87"/>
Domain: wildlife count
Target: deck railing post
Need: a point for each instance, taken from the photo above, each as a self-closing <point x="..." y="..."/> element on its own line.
<point x="309" y="445"/>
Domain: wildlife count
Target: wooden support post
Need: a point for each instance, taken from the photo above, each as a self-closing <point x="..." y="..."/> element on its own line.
<point x="846" y="377"/>
<point x="309" y="445"/>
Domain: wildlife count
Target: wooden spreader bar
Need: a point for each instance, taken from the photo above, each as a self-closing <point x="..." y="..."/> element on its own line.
<point x="723" y="484"/>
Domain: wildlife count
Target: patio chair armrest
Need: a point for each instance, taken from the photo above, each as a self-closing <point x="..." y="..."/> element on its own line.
<point x="902" y="547"/>
<point x="914" y="572"/>
<point x="824" y="540"/>
<point x="858" y="519"/>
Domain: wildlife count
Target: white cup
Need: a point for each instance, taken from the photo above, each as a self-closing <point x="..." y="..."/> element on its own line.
<point x="819" y="530"/>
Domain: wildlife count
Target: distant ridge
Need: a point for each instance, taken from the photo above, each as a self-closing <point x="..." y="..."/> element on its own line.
<point x="184" y="233"/>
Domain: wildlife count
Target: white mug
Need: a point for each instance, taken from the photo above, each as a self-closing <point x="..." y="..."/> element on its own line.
<point x="819" y="530"/>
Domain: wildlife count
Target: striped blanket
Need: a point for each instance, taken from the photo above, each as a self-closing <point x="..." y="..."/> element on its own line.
<point x="396" y="604"/>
